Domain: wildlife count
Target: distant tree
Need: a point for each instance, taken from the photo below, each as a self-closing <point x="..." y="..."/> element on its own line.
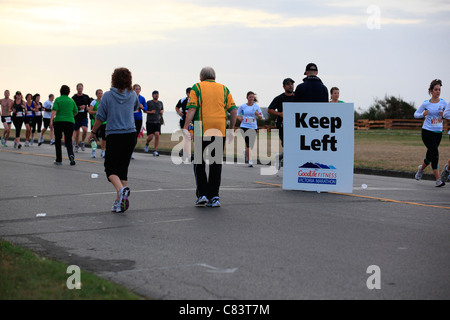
<point x="389" y="108"/>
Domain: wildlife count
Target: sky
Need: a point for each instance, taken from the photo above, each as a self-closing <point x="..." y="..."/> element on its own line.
<point x="368" y="48"/>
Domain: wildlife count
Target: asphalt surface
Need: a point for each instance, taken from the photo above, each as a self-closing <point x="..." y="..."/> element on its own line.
<point x="263" y="243"/>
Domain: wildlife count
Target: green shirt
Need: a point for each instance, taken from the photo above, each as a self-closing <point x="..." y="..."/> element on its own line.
<point x="65" y="108"/>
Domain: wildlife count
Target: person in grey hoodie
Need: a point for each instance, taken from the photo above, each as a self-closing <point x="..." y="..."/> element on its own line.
<point x="117" y="108"/>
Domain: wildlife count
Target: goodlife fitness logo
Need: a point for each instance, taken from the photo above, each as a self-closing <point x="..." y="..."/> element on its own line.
<point x="316" y="173"/>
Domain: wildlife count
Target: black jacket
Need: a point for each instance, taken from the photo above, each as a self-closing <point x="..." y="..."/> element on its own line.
<point x="311" y="90"/>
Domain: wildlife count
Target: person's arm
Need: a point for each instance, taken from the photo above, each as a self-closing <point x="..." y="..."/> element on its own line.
<point x="421" y="112"/>
<point x="162" y="109"/>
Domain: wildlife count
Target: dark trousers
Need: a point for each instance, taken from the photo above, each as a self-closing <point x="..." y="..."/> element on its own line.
<point x="208" y="186"/>
<point x="119" y="148"/>
<point x="18" y="122"/>
<point x="59" y="129"/>
<point x="138" y="124"/>
<point x="432" y="140"/>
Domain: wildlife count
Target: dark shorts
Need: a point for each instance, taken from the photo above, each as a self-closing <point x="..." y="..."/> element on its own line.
<point x="101" y="132"/>
<point x="6" y="119"/>
<point x="153" y="127"/>
<point x="46" y="122"/>
<point x="28" y="120"/>
<point x="120" y="147"/>
<point x="250" y="137"/>
<point x="80" y="123"/>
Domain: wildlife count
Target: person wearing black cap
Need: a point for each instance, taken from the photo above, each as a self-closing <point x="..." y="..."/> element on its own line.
<point x="276" y="109"/>
<point x="312" y="89"/>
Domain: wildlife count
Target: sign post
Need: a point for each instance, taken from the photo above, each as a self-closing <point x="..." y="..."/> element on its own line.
<point x="318" y="147"/>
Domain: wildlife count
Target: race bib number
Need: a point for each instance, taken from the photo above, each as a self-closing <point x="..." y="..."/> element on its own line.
<point x="29" y="113"/>
<point x="37" y="113"/>
<point x="249" y="120"/>
<point x="8" y="119"/>
<point x="19" y="114"/>
<point x="436" y="121"/>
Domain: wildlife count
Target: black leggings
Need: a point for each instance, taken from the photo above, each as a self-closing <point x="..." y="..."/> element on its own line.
<point x="432" y="140"/>
<point x="18" y="122"/>
<point x="37" y="121"/>
<point x="119" y="149"/>
<point x="59" y="128"/>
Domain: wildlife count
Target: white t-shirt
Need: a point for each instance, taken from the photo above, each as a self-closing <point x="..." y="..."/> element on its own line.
<point x="433" y="121"/>
<point x="48" y="105"/>
<point x="249" y="119"/>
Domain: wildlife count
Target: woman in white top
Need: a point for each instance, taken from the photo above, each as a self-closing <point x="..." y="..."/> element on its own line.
<point x="432" y="110"/>
<point x="248" y="114"/>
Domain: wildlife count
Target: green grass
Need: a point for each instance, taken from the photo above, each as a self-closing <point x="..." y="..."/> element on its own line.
<point x="25" y="275"/>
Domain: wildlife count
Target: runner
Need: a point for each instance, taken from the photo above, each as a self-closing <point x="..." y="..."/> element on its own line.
<point x="37" y="119"/>
<point x="101" y="132"/>
<point x="180" y="108"/>
<point x="248" y="114"/>
<point x="62" y="120"/>
<point x="48" y="105"/>
<point x="432" y="110"/>
<point x="117" y="107"/>
<point x="138" y="113"/>
<point x="29" y="116"/>
<point x="81" y="120"/>
<point x="18" y="110"/>
<point x="155" y="109"/>
<point x="6" y="104"/>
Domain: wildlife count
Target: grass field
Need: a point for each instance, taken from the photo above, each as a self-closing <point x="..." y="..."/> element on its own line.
<point x="27" y="276"/>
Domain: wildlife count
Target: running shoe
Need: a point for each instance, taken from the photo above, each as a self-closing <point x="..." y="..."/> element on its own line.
<point x="146" y="148"/>
<point x="41" y="141"/>
<point x="419" y="173"/>
<point x="72" y="160"/>
<point x="93" y="154"/>
<point x="83" y="146"/>
<point x="213" y="203"/>
<point x="31" y="142"/>
<point x="116" y="206"/>
<point x="132" y="156"/>
<point x="124" y="203"/>
<point x="3" y="141"/>
<point x="19" y="146"/>
<point x="15" y="145"/>
<point x="76" y="148"/>
<point x="445" y="174"/>
<point x="57" y="163"/>
<point x="440" y="183"/>
<point x="102" y="154"/>
<point x="52" y="142"/>
<point x="250" y="163"/>
<point x="27" y="143"/>
<point x="201" y="201"/>
<point x="155" y="153"/>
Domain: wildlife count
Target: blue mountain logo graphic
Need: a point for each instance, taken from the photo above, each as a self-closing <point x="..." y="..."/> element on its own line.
<point x="310" y="165"/>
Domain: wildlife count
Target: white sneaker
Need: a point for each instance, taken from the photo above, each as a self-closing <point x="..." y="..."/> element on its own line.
<point x="201" y="201"/>
<point x="146" y="148"/>
<point x="250" y="163"/>
<point x="132" y="156"/>
<point x="419" y="173"/>
<point x="440" y="183"/>
<point x="155" y="154"/>
<point x="116" y="206"/>
<point x="83" y="146"/>
<point x="102" y="154"/>
<point x="93" y="153"/>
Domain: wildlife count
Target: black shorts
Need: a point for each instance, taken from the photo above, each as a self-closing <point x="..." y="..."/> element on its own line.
<point x="46" y="122"/>
<point x="6" y="119"/>
<point x="101" y="132"/>
<point x="28" y="120"/>
<point x="250" y="137"/>
<point x="153" y="127"/>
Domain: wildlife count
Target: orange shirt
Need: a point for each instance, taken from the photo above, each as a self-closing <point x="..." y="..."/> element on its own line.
<point x="212" y="101"/>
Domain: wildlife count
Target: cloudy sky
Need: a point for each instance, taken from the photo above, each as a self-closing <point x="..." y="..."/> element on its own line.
<point x="366" y="48"/>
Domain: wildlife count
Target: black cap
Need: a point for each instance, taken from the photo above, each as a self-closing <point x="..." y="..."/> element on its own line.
<point x="311" y="67"/>
<point x="155" y="92"/>
<point x="287" y="80"/>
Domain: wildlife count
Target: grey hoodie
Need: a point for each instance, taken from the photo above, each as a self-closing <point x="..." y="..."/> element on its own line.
<point x="118" y="110"/>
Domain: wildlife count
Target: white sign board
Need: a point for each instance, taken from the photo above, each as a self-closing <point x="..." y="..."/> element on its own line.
<point x="318" y="147"/>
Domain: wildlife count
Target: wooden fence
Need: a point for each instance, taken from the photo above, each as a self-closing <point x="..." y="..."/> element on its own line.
<point x="402" y="124"/>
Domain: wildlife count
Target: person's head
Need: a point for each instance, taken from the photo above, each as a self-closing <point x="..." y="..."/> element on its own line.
<point x="311" y="69"/>
<point x="334" y="93"/>
<point x="65" y="90"/>
<point x="207" y="73"/>
<point x="435" y="88"/>
<point x="122" y="79"/>
<point x="251" y="97"/>
<point x="18" y="95"/>
<point x="137" y="89"/>
<point x="188" y="91"/>
<point x="7" y="94"/>
<point x="51" y="97"/>
<point x="28" y="97"/>
<point x="99" y="94"/>
<point x="37" y="97"/>
<point x="288" y="85"/>
<point x="80" y="88"/>
<point x="155" y="95"/>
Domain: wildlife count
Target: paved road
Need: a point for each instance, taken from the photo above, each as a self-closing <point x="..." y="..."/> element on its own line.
<point x="263" y="243"/>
